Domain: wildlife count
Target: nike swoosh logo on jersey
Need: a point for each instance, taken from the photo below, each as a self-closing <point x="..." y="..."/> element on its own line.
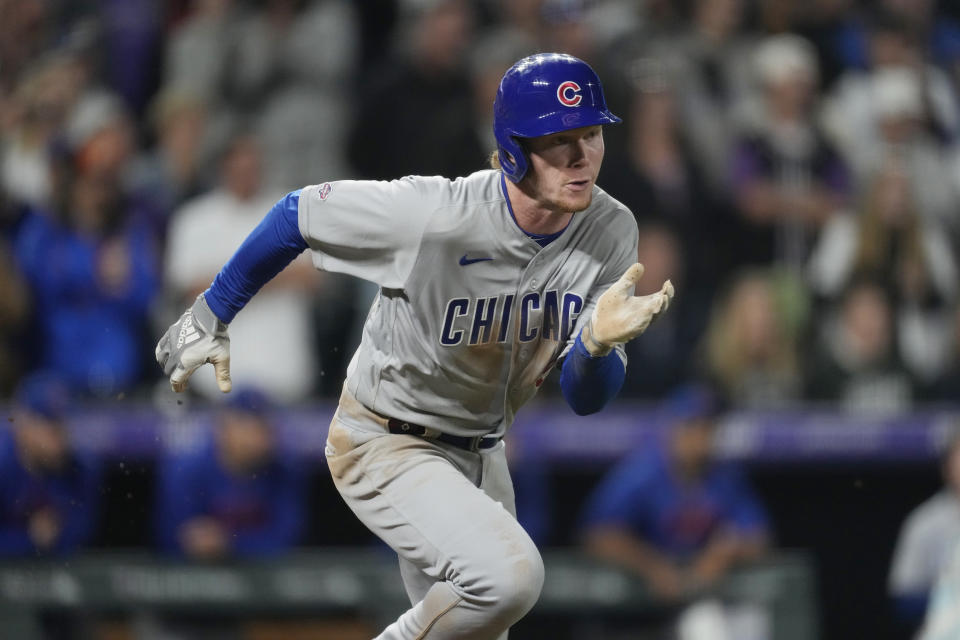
<point x="464" y="261"/>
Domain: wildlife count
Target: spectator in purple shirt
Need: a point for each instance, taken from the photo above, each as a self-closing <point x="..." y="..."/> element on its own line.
<point x="49" y="494"/>
<point x="787" y="180"/>
<point x="238" y="495"/>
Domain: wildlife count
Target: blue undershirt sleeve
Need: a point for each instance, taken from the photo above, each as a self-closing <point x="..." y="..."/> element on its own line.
<point x="589" y="383"/>
<point x="266" y="252"/>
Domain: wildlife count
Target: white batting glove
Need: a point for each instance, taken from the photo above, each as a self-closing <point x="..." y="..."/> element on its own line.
<point x="621" y="316"/>
<point x="196" y="338"/>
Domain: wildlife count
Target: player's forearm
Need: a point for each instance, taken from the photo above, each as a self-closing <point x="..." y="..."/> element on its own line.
<point x="15" y="541"/>
<point x="266" y="252"/>
<point x="77" y="529"/>
<point x="589" y="383"/>
<point x="272" y="539"/>
<point x="178" y="504"/>
<point x="627" y="551"/>
<point x="280" y="533"/>
<point x="725" y="552"/>
<point x="760" y="202"/>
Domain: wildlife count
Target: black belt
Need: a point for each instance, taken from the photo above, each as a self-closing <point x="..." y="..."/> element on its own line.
<point x="462" y="442"/>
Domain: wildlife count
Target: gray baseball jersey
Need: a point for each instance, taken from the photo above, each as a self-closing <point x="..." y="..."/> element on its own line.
<point x="472" y="313"/>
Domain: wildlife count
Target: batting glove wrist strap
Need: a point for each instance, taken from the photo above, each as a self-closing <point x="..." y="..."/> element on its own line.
<point x="206" y="318"/>
<point x="196" y="338"/>
<point x="595" y="348"/>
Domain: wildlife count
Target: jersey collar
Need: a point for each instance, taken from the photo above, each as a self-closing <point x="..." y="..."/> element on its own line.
<point x="543" y="239"/>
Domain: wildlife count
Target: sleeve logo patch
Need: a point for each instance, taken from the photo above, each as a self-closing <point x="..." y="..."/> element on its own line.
<point x="324" y="190"/>
<point x="568" y="93"/>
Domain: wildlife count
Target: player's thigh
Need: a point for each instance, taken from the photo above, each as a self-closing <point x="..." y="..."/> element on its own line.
<point x="496" y="481"/>
<point x="412" y="495"/>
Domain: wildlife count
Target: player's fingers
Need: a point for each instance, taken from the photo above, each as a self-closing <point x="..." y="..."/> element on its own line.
<point x="667" y="289"/>
<point x="162" y="353"/>
<point x="179" y="377"/>
<point x="628" y="281"/>
<point x="221" y="367"/>
<point x="666" y="292"/>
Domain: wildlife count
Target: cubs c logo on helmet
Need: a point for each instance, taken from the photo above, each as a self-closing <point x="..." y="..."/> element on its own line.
<point x="568" y="93"/>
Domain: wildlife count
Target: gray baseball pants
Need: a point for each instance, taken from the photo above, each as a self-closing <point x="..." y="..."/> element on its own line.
<point x="468" y="566"/>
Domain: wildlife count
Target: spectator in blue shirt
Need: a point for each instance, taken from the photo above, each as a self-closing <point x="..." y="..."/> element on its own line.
<point x="49" y="496"/>
<point x="90" y="262"/>
<point x="673" y="514"/>
<point x="237" y="496"/>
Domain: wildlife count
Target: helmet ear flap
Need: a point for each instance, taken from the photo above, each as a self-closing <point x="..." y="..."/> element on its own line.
<point x="513" y="160"/>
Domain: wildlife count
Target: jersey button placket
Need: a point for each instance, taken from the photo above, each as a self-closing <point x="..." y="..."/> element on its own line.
<point x="530" y="273"/>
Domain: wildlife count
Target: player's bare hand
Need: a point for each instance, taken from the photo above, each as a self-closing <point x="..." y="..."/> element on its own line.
<point x="196" y="338"/>
<point x="621" y="316"/>
<point x="665" y="581"/>
<point x="44" y="528"/>
<point x="203" y="538"/>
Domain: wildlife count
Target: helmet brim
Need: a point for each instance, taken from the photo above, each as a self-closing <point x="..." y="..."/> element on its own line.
<point x="563" y="120"/>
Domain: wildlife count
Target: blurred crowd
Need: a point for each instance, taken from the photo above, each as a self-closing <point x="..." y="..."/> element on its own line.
<point x="794" y="168"/>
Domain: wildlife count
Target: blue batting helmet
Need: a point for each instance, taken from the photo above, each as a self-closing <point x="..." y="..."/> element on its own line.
<point x="542" y="94"/>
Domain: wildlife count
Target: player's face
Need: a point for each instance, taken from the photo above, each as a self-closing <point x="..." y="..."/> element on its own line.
<point x="244" y="441"/>
<point x="691" y="446"/>
<point x="564" y="168"/>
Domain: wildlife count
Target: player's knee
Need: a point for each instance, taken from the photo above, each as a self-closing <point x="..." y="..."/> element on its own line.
<point x="518" y="586"/>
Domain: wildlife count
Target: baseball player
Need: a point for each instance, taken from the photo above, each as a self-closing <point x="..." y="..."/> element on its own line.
<point x="486" y="283"/>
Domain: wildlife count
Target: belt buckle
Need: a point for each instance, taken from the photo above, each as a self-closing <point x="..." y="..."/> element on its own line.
<point x="475" y="443"/>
